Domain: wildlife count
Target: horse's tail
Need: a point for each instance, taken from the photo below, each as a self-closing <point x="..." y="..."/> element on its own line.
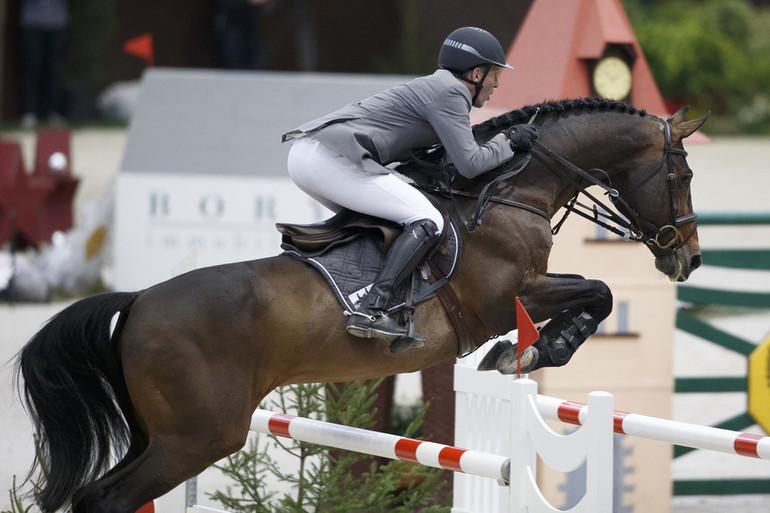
<point x="76" y="396"/>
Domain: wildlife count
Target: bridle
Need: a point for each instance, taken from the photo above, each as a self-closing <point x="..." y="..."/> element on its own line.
<point x="635" y="225"/>
<point x="653" y="233"/>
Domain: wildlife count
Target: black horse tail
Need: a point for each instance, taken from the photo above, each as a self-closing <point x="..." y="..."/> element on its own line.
<point x="76" y="396"/>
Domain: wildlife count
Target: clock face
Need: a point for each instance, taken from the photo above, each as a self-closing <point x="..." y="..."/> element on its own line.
<point x="612" y="78"/>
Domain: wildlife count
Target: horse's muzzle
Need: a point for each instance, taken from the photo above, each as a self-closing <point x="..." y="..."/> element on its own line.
<point x="679" y="264"/>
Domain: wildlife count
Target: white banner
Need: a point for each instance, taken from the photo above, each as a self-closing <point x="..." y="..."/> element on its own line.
<point x="160" y="218"/>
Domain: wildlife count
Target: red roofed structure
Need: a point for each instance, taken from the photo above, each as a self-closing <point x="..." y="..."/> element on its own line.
<point x="35" y="205"/>
<point x="554" y="51"/>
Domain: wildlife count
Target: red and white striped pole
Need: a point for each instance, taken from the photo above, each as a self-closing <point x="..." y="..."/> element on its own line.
<point x="381" y="444"/>
<point x="496" y="466"/>
<point x="669" y="431"/>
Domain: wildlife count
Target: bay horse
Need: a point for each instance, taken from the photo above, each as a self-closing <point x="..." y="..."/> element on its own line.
<point x="171" y="388"/>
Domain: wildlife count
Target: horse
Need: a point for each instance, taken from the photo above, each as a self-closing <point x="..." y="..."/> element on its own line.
<point x="169" y="388"/>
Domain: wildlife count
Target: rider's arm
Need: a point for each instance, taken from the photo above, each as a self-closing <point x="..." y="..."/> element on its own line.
<point x="448" y="115"/>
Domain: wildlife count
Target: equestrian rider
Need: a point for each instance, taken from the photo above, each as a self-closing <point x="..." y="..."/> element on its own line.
<point x="340" y="159"/>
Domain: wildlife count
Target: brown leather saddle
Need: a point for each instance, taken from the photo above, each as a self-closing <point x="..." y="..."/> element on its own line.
<point x="315" y="239"/>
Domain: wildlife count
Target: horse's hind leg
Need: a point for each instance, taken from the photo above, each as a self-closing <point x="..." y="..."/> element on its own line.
<point x="135" y="449"/>
<point x="182" y="442"/>
<point x="190" y="410"/>
<point x="165" y="463"/>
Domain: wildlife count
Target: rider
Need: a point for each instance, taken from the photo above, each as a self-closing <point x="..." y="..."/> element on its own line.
<point x="340" y="159"/>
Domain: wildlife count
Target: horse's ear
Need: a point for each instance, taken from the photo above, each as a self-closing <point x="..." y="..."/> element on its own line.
<point x="682" y="128"/>
<point x="678" y="116"/>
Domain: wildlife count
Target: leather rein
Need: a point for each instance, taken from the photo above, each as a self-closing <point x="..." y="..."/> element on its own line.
<point x="623" y="225"/>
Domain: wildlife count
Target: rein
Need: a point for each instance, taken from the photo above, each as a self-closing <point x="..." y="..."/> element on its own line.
<point x="607" y="218"/>
<point x="650" y="234"/>
<point x="444" y="177"/>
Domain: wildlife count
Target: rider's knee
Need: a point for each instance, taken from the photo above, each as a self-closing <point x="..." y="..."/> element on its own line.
<point x="431" y="226"/>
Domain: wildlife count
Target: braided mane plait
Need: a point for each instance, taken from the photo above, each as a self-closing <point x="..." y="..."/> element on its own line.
<point x="488" y="129"/>
<point x="494" y="125"/>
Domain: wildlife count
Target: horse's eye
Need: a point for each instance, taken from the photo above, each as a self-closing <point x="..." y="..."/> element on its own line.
<point x="686" y="180"/>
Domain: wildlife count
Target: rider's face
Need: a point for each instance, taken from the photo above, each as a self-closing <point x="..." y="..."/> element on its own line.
<point x="488" y="86"/>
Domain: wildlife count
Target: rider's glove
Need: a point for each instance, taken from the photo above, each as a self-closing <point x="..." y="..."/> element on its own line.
<point x="521" y="137"/>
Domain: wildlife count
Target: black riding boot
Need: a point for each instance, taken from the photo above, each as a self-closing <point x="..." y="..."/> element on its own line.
<point x="406" y="253"/>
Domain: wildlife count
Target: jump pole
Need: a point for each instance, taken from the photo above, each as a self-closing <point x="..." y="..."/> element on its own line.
<point x="592" y="444"/>
<point x="662" y="430"/>
<point x="381" y="444"/>
<point x="525" y="402"/>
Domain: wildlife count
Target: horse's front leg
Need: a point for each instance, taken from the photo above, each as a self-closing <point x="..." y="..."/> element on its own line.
<point x="575" y="306"/>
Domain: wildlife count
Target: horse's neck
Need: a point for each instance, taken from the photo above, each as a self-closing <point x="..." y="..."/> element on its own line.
<point x="521" y="238"/>
<point x="589" y="142"/>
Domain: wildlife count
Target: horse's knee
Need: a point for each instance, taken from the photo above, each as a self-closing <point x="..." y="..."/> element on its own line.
<point x="601" y="306"/>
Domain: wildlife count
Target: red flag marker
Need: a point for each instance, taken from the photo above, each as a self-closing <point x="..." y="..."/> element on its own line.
<point x="147" y="508"/>
<point x="142" y="47"/>
<point x="528" y="334"/>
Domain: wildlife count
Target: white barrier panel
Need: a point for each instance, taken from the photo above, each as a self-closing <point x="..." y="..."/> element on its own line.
<point x="380" y="444"/>
<point x="529" y="437"/>
<point x="591" y="444"/>
<point x="662" y="430"/>
<point x="482" y="423"/>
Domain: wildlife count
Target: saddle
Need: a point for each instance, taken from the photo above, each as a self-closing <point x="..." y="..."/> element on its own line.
<point x="311" y="240"/>
<point x="348" y="250"/>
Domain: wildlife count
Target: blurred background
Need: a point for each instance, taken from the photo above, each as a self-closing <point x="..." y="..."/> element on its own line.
<point x="723" y="64"/>
<point x="121" y="174"/>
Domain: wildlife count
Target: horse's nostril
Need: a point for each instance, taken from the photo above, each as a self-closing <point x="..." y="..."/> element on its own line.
<point x="695" y="262"/>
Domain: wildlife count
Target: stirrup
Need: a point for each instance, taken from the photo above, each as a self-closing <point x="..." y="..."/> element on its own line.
<point x="401" y="344"/>
<point x="410" y="340"/>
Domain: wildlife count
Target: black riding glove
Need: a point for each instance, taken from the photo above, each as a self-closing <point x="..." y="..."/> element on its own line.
<point x="521" y="137"/>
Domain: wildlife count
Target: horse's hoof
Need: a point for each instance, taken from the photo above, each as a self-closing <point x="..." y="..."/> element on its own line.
<point x="490" y="360"/>
<point x="507" y="363"/>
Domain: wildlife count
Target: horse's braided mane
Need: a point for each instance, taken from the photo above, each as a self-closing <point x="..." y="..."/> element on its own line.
<point x="487" y="129"/>
<point x="561" y="107"/>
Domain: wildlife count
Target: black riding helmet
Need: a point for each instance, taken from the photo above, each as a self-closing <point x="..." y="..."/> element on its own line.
<point x="468" y="47"/>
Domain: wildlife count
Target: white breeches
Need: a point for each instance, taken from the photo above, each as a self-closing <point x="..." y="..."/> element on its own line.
<point x="336" y="182"/>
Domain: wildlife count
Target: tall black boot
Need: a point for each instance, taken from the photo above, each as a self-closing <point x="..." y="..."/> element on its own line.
<point x="406" y="253"/>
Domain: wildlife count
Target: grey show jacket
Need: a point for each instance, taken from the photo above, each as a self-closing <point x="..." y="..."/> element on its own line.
<point x="386" y="127"/>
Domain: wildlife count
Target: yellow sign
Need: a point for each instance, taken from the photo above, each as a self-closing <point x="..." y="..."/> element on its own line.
<point x="759" y="384"/>
<point x="95" y="242"/>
